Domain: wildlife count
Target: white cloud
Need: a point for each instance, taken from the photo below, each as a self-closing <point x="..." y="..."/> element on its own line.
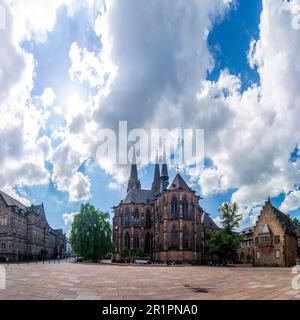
<point x="48" y="97"/>
<point x="291" y="202"/>
<point x="152" y="72"/>
<point x="69" y="218"/>
<point x="66" y="174"/>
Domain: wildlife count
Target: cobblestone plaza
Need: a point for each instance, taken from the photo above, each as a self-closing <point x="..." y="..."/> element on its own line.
<point x="68" y="281"/>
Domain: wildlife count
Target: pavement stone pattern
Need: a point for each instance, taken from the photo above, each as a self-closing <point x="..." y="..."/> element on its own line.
<point x="69" y="281"/>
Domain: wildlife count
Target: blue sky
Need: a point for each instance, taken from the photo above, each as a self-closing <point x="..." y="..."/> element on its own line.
<point x="141" y="56"/>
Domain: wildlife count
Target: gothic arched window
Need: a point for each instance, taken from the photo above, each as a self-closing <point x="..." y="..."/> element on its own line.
<point x="148" y="219"/>
<point x="185" y="237"/>
<point x="136" y="241"/>
<point x="185" y="209"/>
<point x="148" y="243"/>
<point x="174" y="208"/>
<point x="126" y="218"/>
<point x="136" y="216"/>
<point x="174" y="238"/>
<point x="127" y="240"/>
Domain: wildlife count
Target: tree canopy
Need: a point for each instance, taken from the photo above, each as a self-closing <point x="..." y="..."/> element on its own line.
<point x="226" y="241"/>
<point x="91" y="233"/>
<point x="230" y="216"/>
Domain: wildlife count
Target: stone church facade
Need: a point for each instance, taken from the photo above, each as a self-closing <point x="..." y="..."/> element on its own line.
<point x="166" y="223"/>
<point x="25" y="233"/>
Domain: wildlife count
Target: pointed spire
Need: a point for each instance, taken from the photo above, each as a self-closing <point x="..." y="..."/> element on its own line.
<point x="156" y="179"/>
<point x="164" y="172"/>
<point x="134" y="182"/>
<point x="133" y="156"/>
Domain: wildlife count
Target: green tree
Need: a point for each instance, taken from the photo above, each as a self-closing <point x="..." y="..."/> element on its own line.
<point x="230" y="216"/>
<point x="91" y="233"/>
<point x="295" y="221"/>
<point x="226" y="241"/>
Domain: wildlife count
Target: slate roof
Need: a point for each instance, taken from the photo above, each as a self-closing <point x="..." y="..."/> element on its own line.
<point x="11" y="201"/>
<point x="178" y="183"/>
<point x="139" y="196"/>
<point x="37" y="209"/>
<point x="286" y="221"/>
<point x="248" y="230"/>
<point x="208" y="222"/>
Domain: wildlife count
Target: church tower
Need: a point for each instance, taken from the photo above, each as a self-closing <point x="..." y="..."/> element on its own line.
<point x="164" y="173"/>
<point x="134" y="182"/>
<point x="156" y="179"/>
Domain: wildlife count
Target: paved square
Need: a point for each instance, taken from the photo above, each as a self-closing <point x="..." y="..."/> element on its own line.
<point x="83" y="281"/>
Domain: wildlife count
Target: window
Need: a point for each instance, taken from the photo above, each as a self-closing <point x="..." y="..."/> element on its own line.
<point x="148" y="219"/>
<point x="277" y="254"/>
<point x="3" y="245"/>
<point x="174" y="208"/>
<point x="257" y="255"/>
<point x="136" y="216"/>
<point x="185" y="209"/>
<point x="136" y="241"/>
<point x="126" y="220"/>
<point x="127" y="240"/>
<point x="3" y="221"/>
<point x="185" y="237"/>
<point x="148" y="243"/>
<point x="174" y="238"/>
<point x="277" y="239"/>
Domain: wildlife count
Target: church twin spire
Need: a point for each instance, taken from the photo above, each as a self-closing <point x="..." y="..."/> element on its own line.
<point x="160" y="182"/>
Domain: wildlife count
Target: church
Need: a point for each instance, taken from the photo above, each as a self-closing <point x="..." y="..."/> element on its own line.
<point x="166" y="222"/>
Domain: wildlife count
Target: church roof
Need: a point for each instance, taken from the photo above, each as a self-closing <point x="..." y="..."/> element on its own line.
<point x="178" y="183"/>
<point x="248" y="230"/>
<point x="37" y="209"/>
<point x="139" y="196"/>
<point x="11" y="201"/>
<point x="208" y="222"/>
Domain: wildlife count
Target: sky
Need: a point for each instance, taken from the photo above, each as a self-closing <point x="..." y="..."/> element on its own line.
<point x="70" y="68"/>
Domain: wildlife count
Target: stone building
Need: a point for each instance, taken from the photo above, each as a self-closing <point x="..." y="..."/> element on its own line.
<point x="166" y="222"/>
<point x="273" y="241"/>
<point x="276" y="239"/>
<point x="25" y="233"/>
<point x="245" y="253"/>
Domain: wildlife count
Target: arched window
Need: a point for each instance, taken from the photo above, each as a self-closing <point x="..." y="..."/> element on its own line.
<point x="148" y="243"/>
<point x="185" y="237"/>
<point x="127" y="240"/>
<point x="136" y="241"/>
<point x="174" y="208"/>
<point x="148" y="219"/>
<point x="174" y="238"/>
<point x="185" y="209"/>
<point x="126" y="218"/>
<point x="136" y="216"/>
